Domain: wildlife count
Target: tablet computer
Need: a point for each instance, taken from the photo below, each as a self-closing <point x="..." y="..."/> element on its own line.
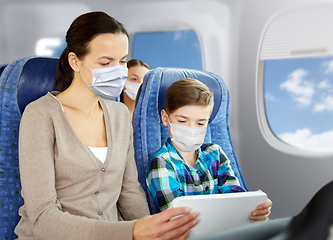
<point x="220" y="211"/>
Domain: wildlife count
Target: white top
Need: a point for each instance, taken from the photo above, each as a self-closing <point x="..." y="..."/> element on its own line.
<point x="99" y="152"/>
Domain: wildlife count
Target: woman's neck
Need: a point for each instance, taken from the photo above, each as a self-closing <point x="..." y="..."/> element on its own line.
<point x="129" y="103"/>
<point x="79" y="96"/>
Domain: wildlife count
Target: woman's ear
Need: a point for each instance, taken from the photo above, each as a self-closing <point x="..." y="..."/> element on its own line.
<point x="74" y="62"/>
<point x="164" y="117"/>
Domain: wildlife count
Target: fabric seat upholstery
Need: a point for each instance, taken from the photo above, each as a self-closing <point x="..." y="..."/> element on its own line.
<point x="21" y="82"/>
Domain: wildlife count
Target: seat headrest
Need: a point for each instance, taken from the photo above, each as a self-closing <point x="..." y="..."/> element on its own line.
<point x="36" y="79"/>
<point x="170" y="75"/>
<point x="2" y="67"/>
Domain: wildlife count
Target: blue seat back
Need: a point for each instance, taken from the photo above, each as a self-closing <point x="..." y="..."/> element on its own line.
<point x="149" y="132"/>
<point x="21" y="82"/>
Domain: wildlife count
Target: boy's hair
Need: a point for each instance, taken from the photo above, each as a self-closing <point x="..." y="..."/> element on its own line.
<point x="187" y="91"/>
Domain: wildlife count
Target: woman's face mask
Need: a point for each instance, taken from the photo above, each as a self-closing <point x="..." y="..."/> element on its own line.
<point x="132" y="89"/>
<point x="134" y="80"/>
<point x="107" y="82"/>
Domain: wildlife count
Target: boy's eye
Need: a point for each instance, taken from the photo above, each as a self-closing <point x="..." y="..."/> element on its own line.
<point x="134" y="79"/>
<point x="181" y="121"/>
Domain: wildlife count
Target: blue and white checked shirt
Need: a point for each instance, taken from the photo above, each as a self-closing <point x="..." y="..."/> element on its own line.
<point x="169" y="176"/>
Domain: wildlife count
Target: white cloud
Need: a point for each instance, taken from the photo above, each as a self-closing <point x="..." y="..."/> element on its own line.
<point x="324" y="84"/>
<point x="327" y="104"/>
<point x="270" y="97"/>
<point x="304" y="138"/>
<point x="300" y="89"/>
<point x="177" y="36"/>
<point x="328" y="66"/>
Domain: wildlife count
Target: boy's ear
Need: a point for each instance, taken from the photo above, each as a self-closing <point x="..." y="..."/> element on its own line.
<point x="164" y="117"/>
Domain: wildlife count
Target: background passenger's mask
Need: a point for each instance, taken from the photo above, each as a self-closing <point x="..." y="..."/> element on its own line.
<point x="107" y="82"/>
<point x="132" y="89"/>
<point x="188" y="139"/>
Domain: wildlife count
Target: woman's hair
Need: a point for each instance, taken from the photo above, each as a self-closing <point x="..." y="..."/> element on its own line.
<point x="80" y="33"/>
<point x="137" y="62"/>
<point x="187" y="91"/>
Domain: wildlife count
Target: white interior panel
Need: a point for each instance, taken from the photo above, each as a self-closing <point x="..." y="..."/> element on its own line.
<point x="300" y="32"/>
<point x="24" y="24"/>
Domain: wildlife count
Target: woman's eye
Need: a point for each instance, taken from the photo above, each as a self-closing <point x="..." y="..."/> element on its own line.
<point x="123" y="62"/>
<point x="201" y="124"/>
<point x="134" y="79"/>
<point x="104" y="64"/>
<point x="181" y="121"/>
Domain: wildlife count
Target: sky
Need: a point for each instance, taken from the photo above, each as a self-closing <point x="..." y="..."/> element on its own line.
<point x="168" y="49"/>
<point x="299" y="101"/>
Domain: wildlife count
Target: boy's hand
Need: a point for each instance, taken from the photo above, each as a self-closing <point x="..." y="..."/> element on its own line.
<point x="262" y="212"/>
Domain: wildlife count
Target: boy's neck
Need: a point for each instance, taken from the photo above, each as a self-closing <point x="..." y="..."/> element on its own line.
<point x="189" y="157"/>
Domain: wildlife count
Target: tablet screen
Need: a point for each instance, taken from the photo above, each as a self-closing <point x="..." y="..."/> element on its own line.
<point x="220" y="211"/>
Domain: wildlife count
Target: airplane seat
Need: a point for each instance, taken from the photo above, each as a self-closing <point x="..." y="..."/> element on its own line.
<point x="2" y="67"/>
<point x="149" y="132"/>
<point x="21" y="82"/>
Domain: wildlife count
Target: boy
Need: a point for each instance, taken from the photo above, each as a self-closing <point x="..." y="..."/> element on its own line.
<point x="185" y="165"/>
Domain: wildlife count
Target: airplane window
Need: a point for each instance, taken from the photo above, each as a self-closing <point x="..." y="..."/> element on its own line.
<point x="168" y="49"/>
<point x="295" y="81"/>
<point x="50" y="47"/>
<point x="298" y="97"/>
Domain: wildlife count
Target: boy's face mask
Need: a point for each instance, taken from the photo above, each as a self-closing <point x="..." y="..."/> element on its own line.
<point x="107" y="82"/>
<point x="187" y="139"/>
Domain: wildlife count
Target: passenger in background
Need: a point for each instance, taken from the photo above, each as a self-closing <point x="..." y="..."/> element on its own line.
<point x="136" y="71"/>
<point x="78" y="173"/>
<point x="185" y="165"/>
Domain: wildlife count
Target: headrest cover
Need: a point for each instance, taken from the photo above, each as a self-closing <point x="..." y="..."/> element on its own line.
<point x="170" y="75"/>
<point x="36" y="79"/>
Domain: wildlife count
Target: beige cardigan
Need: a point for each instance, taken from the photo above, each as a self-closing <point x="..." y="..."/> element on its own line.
<point x="68" y="193"/>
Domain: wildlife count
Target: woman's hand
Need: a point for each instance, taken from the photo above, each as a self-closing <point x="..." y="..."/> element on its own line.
<point x="162" y="226"/>
<point x="262" y="212"/>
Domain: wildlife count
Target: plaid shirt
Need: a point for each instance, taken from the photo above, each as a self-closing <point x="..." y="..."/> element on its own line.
<point x="169" y="176"/>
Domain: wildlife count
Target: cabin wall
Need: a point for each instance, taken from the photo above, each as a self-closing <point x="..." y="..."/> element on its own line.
<point x="289" y="179"/>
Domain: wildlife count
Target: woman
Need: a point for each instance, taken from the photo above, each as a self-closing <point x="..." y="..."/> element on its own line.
<point x="78" y="174"/>
<point x="136" y="72"/>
